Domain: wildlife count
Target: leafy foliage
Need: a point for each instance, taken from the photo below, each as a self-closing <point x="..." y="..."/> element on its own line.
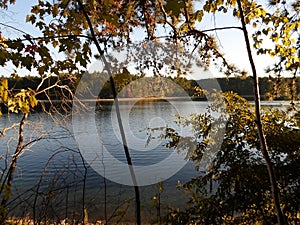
<point x="113" y="22"/>
<point x="20" y="102"/>
<point x="235" y="189"/>
<point x="3" y="91"/>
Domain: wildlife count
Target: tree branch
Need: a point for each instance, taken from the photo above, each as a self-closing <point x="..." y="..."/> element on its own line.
<point x="222" y="28"/>
<point x="14" y="28"/>
<point x="48" y="37"/>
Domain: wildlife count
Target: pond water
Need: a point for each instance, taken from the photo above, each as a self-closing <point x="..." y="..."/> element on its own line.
<point x="65" y="170"/>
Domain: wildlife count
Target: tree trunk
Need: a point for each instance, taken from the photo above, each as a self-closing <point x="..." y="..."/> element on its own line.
<point x="262" y="138"/>
<point x="125" y="146"/>
<point x="10" y="174"/>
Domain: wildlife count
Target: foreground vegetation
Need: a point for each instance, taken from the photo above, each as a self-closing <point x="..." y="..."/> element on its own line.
<point x="234" y="188"/>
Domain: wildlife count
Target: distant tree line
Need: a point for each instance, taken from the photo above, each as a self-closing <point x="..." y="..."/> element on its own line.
<point x="128" y="86"/>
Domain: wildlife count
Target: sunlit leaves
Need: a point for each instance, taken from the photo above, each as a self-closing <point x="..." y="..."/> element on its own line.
<point x="23" y="101"/>
<point x="212" y="6"/>
<point x="2" y="41"/>
<point x="3" y="92"/>
<point x="281" y="26"/>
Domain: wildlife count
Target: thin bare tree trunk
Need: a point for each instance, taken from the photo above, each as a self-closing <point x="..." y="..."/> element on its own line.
<point x="122" y="132"/>
<point x="262" y="138"/>
<point x="10" y="174"/>
<point x="38" y="186"/>
<point x="84" y="210"/>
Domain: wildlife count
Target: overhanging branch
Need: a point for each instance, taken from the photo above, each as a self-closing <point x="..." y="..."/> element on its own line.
<point x="222" y="28"/>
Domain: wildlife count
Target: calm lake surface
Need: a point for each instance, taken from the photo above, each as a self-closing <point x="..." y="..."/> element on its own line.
<point x="53" y="173"/>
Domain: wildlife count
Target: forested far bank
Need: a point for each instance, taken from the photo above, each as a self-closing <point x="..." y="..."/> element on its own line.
<point x="132" y="86"/>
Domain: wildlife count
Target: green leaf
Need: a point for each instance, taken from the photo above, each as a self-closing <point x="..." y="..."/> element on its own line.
<point x="27" y="62"/>
<point x="174" y="7"/>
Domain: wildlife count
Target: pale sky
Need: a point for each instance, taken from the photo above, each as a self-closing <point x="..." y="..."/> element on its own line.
<point x="231" y="41"/>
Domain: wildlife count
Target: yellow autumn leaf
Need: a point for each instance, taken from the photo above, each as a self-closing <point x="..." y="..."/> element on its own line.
<point x="285" y="20"/>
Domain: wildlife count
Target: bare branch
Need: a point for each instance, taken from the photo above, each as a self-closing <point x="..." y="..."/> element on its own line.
<point x="222" y="28"/>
